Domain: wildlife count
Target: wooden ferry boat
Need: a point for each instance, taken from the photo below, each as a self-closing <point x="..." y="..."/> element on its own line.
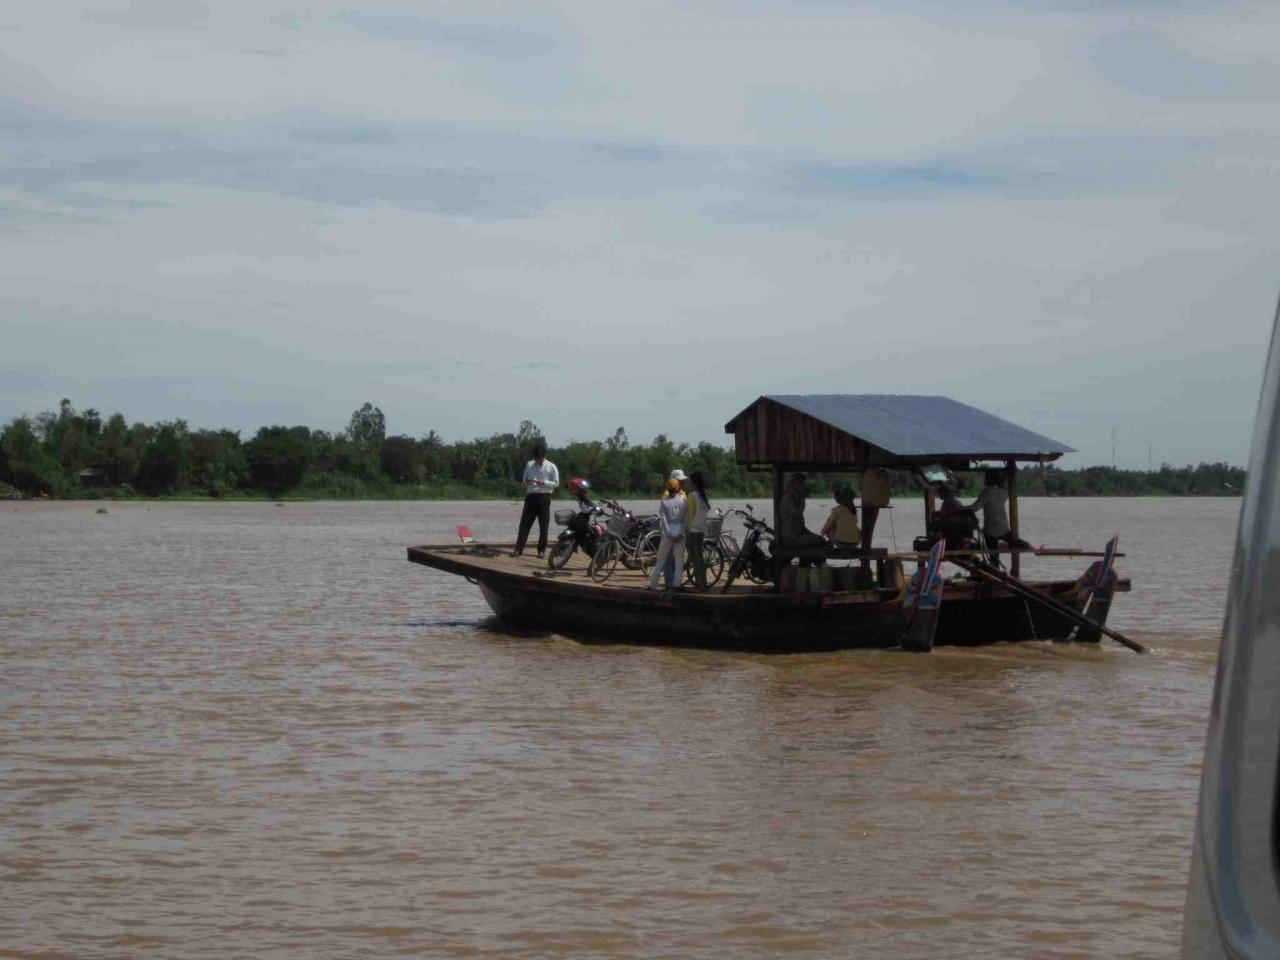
<point x="830" y="434"/>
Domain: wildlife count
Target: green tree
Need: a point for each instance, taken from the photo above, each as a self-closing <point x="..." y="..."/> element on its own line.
<point x="368" y="427"/>
<point x="279" y="457"/>
<point x="117" y="452"/>
<point x="67" y="438"/>
<point x="466" y="464"/>
<point x="434" y="462"/>
<point x="402" y="459"/>
<point x="29" y="466"/>
<point x="218" y="462"/>
<point x="165" y="460"/>
<point x="526" y="436"/>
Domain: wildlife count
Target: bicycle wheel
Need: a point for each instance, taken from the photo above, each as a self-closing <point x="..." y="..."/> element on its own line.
<point x="605" y="560"/>
<point x="708" y="556"/>
<point x="647" y="551"/>
<point x="735" y="571"/>
<point x="713" y="557"/>
<point x="560" y="553"/>
<point x="757" y="573"/>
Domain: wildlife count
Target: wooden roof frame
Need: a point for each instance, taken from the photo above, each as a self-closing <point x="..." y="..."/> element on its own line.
<point x="768" y="434"/>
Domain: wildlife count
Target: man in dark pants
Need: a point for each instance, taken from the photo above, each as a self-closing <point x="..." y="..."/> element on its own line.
<point x="540" y="481"/>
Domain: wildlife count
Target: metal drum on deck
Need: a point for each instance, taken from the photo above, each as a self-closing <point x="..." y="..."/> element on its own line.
<point x="822" y="579"/>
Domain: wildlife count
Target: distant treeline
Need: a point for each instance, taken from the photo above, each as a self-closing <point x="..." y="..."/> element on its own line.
<point x="69" y="454"/>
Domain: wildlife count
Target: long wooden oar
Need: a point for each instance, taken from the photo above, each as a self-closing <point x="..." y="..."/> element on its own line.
<point x="1028" y="592"/>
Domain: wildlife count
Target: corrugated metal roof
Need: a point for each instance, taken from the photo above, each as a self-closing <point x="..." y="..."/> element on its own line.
<point x="919" y="426"/>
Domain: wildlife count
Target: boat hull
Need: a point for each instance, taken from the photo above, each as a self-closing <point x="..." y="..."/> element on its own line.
<point x="527" y="597"/>
<point x="752" y="623"/>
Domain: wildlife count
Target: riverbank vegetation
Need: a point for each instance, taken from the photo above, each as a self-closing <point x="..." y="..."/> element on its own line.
<point x="72" y="454"/>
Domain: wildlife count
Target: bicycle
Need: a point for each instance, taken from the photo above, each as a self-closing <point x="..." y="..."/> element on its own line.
<point x="714" y="554"/>
<point x="624" y="535"/>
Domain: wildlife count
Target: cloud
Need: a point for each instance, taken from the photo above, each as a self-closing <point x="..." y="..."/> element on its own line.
<point x="486" y="39"/>
<point x="150" y="15"/>
<point x="245" y="212"/>
<point x="1148" y="62"/>
<point x="87" y="165"/>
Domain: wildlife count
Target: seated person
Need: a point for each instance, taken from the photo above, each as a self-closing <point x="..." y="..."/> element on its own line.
<point x="581" y="489"/>
<point x="948" y="502"/>
<point x="952" y="522"/>
<point x="791" y="529"/>
<point x="842" y="525"/>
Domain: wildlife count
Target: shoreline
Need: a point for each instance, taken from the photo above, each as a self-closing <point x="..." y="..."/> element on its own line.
<point x="500" y="498"/>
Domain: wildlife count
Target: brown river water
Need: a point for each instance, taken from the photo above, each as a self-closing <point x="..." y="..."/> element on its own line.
<point x="249" y="730"/>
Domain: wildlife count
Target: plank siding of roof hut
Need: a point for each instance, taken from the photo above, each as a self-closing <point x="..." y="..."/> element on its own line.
<point x="772" y="433"/>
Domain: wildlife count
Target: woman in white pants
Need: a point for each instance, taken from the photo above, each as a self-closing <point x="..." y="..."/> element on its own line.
<point x="672" y="510"/>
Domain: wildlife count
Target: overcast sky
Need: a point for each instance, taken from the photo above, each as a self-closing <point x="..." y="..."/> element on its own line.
<point x="596" y="214"/>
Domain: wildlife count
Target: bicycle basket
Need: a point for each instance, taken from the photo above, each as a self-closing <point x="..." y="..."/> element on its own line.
<point x="564" y="517"/>
<point x="712" y="530"/>
<point x="619" y="526"/>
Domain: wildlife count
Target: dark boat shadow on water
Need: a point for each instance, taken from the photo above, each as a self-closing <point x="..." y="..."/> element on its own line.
<point x="490" y="624"/>
<point x="496" y="626"/>
<point x="646" y="639"/>
<point x="446" y="624"/>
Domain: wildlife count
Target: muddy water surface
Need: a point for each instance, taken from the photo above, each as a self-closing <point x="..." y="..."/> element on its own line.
<point x="251" y="730"/>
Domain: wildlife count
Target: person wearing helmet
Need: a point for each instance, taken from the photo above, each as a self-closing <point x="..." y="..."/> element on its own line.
<point x="581" y="489"/>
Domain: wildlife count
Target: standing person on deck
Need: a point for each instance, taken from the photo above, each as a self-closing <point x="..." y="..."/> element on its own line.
<point x="669" y="571"/>
<point x="699" y="511"/>
<point x="993" y="501"/>
<point x="540" y="481"/>
<point x="673" y="512"/>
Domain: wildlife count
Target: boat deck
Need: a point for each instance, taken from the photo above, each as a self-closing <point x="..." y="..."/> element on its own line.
<point x="476" y="560"/>
<point x="486" y="561"/>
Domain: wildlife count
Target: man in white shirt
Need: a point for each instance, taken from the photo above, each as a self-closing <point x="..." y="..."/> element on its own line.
<point x="540" y="481"/>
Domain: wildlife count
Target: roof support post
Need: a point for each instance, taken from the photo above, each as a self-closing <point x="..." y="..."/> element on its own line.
<point x="931" y="507"/>
<point x="1011" y="484"/>
<point x="777" y="501"/>
<point x="777" y="518"/>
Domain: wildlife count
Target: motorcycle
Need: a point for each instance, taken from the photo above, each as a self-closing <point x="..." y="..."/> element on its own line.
<point x="754" y="558"/>
<point x="583" y="531"/>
